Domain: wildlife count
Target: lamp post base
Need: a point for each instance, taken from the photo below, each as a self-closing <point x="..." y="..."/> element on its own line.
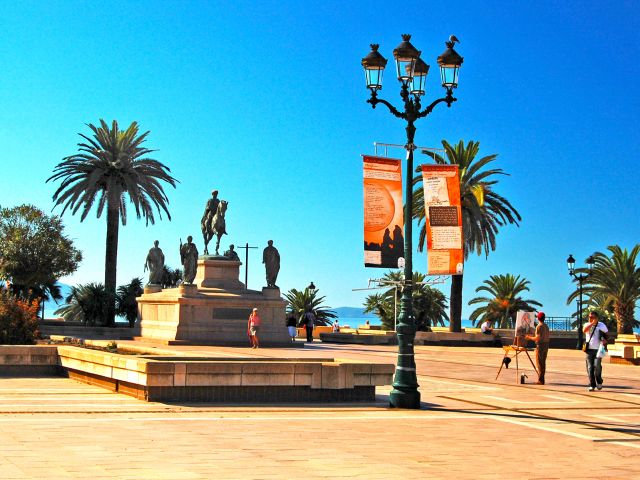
<point x="407" y="399"/>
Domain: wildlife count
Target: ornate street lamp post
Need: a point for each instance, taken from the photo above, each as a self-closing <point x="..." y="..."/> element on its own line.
<point x="580" y="278"/>
<point x="412" y="73"/>
<point x="311" y="288"/>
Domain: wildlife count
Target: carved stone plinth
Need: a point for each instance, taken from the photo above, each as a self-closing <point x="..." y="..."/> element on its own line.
<point x="271" y="292"/>
<point x="188" y="290"/>
<point x="152" y="288"/>
<point x="214" y="273"/>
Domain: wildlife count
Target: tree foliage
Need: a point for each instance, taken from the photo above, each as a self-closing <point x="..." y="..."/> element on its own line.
<point x="484" y="211"/>
<point x="108" y="168"/>
<point x="429" y="304"/>
<point x="34" y="252"/>
<point x="18" y="320"/>
<point x="126" y="303"/>
<point x="300" y="302"/>
<point x="86" y="303"/>
<point x="614" y="283"/>
<point x="171" y="277"/>
<point x="503" y="301"/>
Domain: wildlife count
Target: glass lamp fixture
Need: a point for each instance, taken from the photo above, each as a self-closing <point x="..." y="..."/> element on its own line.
<point x="450" y="63"/>
<point x="419" y="79"/>
<point x="374" y="64"/>
<point x="406" y="56"/>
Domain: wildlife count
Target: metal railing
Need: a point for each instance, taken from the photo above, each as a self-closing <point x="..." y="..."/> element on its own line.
<point x="560" y="323"/>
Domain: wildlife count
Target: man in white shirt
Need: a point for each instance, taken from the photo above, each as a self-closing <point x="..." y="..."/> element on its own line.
<point x="487" y="327"/>
<point x="595" y="331"/>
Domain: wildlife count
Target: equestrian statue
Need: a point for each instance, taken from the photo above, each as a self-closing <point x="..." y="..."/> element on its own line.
<point x="212" y="222"/>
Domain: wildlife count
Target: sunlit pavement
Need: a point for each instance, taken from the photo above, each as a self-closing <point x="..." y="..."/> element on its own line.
<point x="470" y="426"/>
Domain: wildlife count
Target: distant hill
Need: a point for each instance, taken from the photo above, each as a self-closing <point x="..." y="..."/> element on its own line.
<point x="352" y="312"/>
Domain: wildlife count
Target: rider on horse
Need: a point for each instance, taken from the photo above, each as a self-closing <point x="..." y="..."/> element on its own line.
<point x="213" y="222"/>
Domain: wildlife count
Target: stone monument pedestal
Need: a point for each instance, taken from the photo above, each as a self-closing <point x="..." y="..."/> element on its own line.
<point x="214" y="310"/>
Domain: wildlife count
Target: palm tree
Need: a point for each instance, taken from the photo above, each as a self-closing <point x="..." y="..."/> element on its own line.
<point x="171" y="277"/>
<point x="107" y="168"/>
<point x="303" y="301"/>
<point x="503" y="302"/>
<point x="47" y="291"/>
<point x="483" y="210"/>
<point x="429" y="304"/>
<point x="382" y="307"/>
<point x="87" y="303"/>
<point x="614" y="282"/>
<point x="126" y="304"/>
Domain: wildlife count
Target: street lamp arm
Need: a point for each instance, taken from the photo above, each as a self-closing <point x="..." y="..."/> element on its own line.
<point x="374" y="100"/>
<point x="449" y="99"/>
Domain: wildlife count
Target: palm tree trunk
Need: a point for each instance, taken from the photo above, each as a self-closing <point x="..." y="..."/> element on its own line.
<point x="455" y="304"/>
<point x="111" y="259"/>
<point x="624" y="317"/>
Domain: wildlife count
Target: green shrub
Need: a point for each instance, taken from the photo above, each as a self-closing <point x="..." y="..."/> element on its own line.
<point x="18" y="320"/>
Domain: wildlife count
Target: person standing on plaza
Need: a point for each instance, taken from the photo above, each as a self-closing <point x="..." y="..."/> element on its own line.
<point x="595" y="331"/>
<point x="253" y="325"/>
<point x="541" y="338"/>
<point x="291" y="327"/>
<point x="309" y="323"/>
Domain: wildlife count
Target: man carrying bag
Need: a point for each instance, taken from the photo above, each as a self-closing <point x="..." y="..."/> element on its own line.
<point x="597" y="336"/>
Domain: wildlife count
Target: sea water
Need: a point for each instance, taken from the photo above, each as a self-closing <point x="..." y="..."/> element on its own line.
<point x="355" y="322"/>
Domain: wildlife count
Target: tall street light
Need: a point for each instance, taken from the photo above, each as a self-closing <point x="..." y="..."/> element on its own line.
<point x="412" y="73"/>
<point x="580" y="278"/>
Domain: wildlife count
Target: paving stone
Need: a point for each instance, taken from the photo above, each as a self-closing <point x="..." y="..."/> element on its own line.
<point x="59" y="428"/>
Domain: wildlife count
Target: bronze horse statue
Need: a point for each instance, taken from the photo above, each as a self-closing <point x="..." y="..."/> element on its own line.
<point x="214" y="225"/>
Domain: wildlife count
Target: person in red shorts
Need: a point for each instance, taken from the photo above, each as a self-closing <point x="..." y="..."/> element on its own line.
<point x="253" y="325"/>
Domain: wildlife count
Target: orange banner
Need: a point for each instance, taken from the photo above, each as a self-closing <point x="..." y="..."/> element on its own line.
<point x="383" y="216"/>
<point x="443" y="219"/>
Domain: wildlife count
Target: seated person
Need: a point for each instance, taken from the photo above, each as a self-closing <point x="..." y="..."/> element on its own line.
<point x="336" y="326"/>
<point x="487" y="327"/>
<point x="231" y="254"/>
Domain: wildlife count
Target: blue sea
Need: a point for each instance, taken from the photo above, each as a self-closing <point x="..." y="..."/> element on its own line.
<point x="355" y="322"/>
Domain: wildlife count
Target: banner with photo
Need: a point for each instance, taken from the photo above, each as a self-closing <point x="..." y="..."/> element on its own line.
<point x="383" y="215"/>
<point x="443" y="219"/>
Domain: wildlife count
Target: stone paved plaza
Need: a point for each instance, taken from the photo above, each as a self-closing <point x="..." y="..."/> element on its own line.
<point x="470" y="426"/>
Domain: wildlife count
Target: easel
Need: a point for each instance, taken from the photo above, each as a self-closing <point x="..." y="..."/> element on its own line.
<point x="524" y="326"/>
<point x="517" y="350"/>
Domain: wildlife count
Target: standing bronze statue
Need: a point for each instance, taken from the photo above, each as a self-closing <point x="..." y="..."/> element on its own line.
<point x="271" y="260"/>
<point x="189" y="259"/>
<point x="213" y="223"/>
<point x="155" y="264"/>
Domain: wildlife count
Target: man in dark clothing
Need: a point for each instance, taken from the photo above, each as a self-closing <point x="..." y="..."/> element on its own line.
<point x="310" y="320"/>
<point x="542" y="346"/>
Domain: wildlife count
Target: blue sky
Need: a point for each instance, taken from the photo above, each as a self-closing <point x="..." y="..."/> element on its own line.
<point x="265" y="101"/>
